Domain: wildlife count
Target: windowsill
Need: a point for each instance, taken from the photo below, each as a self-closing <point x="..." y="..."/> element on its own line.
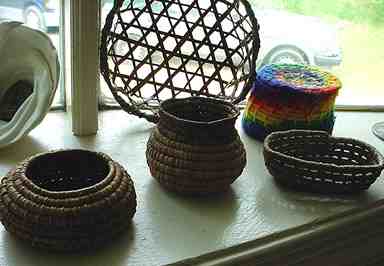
<point x="166" y="227"/>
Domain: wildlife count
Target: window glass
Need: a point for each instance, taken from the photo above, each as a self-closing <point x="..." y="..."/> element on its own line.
<point x="343" y="36"/>
<point x="39" y="14"/>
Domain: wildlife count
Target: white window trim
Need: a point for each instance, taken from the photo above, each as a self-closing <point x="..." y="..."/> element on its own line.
<point x="368" y="108"/>
<point x="82" y="64"/>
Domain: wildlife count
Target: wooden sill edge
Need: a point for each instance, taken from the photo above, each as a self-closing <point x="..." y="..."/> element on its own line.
<point x="353" y="237"/>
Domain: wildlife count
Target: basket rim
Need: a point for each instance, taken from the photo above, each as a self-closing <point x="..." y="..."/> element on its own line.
<point x="67" y="193"/>
<point x="169" y="102"/>
<point x="270" y="81"/>
<point x="372" y="149"/>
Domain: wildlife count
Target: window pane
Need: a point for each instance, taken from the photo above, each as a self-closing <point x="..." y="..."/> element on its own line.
<point x="39" y="14"/>
<point x="343" y="36"/>
<point x="106" y="97"/>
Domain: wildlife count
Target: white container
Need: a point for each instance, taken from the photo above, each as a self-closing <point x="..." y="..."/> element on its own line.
<point x="29" y="55"/>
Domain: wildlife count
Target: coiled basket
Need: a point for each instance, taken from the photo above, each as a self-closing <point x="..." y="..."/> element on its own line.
<point x="67" y="200"/>
<point x="195" y="148"/>
<point x="314" y="161"/>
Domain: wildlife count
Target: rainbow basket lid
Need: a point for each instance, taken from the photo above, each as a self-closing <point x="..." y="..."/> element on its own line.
<point x="291" y="96"/>
<point x="296" y="78"/>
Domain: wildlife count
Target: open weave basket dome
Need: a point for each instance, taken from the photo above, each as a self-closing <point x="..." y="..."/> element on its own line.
<point x="156" y="50"/>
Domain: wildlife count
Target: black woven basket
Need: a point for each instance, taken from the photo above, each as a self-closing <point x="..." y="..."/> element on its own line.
<point x="195" y="148"/>
<point x="314" y="161"/>
<point x="166" y="49"/>
<point x="67" y="200"/>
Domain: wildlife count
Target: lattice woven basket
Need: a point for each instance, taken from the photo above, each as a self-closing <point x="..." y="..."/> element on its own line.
<point x="67" y="200"/>
<point x="314" y="161"/>
<point x="156" y="50"/>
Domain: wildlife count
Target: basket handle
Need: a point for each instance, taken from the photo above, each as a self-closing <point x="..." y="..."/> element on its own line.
<point x="255" y="53"/>
<point x="117" y="3"/>
<point x="243" y="93"/>
<point x="246" y="88"/>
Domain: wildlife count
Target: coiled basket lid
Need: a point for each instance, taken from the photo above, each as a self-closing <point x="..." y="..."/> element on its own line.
<point x="156" y="50"/>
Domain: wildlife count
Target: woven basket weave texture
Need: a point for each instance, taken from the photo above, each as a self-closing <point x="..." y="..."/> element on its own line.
<point x="290" y="96"/>
<point x="156" y="50"/>
<point x="67" y="200"/>
<point x="195" y="148"/>
<point x="316" y="162"/>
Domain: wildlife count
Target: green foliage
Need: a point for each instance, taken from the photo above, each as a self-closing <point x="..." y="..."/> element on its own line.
<point x="366" y="11"/>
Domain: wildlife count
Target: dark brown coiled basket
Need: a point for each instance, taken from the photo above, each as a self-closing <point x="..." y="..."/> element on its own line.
<point x="155" y="50"/>
<point x="316" y="162"/>
<point x="67" y="200"/>
<point x="195" y="148"/>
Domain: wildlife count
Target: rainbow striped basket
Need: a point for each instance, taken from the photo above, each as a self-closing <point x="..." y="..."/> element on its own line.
<point x="288" y="96"/>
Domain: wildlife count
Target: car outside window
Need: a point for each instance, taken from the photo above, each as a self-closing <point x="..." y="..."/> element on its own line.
<point x="43" y="15"/>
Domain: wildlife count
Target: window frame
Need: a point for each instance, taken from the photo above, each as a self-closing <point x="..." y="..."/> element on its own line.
<point x="82" y="63"/>
<point x="338" y="107"/>
<point x="84" y="101"/>
<point x="62" y="82"/>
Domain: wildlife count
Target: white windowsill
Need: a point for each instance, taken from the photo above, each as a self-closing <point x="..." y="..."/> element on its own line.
<point x="166" y="227"/>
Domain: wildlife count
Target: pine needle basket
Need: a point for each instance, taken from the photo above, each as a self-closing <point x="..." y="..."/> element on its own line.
<point x="67" y="200"/>
<point x="314" y="161"/>
<point x="195" y="148"/>
<point x="154" y="50"/>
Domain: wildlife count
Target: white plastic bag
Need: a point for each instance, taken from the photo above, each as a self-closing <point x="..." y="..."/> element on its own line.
<point x="29" y="55"/>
